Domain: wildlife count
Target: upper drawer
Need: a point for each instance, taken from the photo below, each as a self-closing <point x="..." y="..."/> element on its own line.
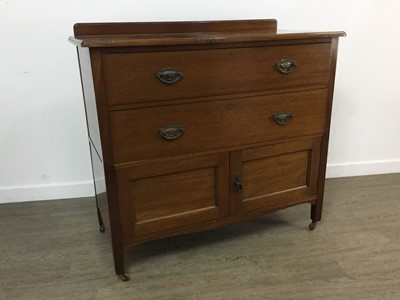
<point x="132" y="77"/>
<point x="136" y="133"/>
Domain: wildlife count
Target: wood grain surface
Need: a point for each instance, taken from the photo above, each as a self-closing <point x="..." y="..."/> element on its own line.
<point x="131" y="77"/>
<point x="162" y="196"/>
<point x="87" y="29"/>
<point x="186" y="33"/>
<point x="215" y="124"/>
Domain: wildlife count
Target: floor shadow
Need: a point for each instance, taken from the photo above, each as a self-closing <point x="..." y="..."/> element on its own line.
<point x="265" y="225"/>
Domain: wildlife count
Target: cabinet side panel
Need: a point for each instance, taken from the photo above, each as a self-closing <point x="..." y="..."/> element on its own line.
<point x="93" y="136"/>
<point x="316" y="210"/>
<point x="102" y="162"/>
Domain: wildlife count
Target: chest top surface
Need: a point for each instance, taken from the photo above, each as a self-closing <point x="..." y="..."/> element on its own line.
<point x="187" y="33"/>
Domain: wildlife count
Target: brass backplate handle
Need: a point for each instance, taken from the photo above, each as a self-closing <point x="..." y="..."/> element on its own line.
<point x="282" y="118"/>
<point x="286" y="66"/>
<point x="171" y="132"/>
<point x="169" y="75"/>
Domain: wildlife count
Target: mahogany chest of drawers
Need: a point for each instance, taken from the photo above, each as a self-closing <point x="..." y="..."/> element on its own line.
<point x="196" y="125"/>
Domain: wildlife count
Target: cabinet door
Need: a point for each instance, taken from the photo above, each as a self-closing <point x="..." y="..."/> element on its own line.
<point x="164" y="196"/>
<point x="273" y="177"/>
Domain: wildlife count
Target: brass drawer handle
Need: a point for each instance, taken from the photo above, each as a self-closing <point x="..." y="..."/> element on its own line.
<point x="286" y="66"/>
<point x="171" y="132"/>
<point x="169" y="75"/>
<point x="282" y="118"/>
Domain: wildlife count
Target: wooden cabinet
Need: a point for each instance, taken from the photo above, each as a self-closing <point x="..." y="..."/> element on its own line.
<point x="196" y="125"/>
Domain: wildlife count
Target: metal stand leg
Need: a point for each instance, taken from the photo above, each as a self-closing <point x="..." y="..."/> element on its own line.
<point x="102" y="228"/>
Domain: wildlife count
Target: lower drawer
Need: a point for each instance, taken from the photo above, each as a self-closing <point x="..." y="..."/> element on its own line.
<point x="195" y="127"/>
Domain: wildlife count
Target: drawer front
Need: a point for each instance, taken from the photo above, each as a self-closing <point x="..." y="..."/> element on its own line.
<point x="137" y="134"/>
<point x="132" y="77"/>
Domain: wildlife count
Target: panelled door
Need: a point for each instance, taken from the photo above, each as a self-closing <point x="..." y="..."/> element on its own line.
<point x="275" y="176"/>
<point x="160" y="196"/>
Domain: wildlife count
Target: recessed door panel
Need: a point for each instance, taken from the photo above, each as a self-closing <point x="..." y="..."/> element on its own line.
<point x="167" y="195"/>
<point x="273" y="177"/>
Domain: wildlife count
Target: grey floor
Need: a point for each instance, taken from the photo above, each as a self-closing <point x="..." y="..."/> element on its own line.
<point x="53" y="250"/>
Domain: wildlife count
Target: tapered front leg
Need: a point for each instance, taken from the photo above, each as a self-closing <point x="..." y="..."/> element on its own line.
<point x="119" y="264"/>
<point x="316" y="212"/>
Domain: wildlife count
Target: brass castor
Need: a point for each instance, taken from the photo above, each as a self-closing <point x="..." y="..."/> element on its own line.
<point x="124" y="277"/>
<point x="312" y="225"/>
<point x="102" y="228"/>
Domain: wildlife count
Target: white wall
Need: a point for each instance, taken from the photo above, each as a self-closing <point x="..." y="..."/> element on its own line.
<point x="43" y="146"/>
